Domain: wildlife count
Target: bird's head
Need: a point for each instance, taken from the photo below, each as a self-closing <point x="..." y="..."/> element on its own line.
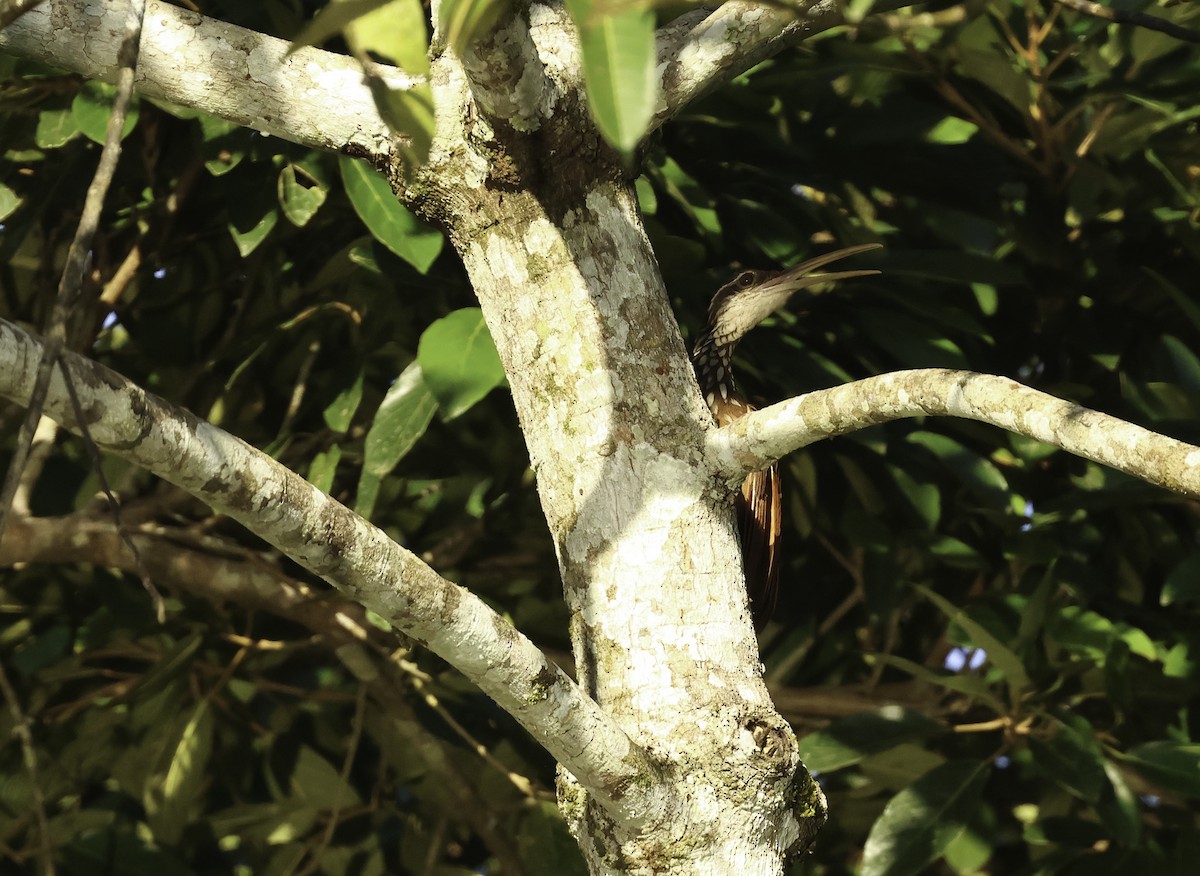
<point x="752" y="296"/>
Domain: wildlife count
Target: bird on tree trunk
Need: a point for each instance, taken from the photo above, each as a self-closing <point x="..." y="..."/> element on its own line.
<point x="739" y="306"/>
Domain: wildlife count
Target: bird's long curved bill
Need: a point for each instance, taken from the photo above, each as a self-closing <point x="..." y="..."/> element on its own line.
<point x="807" y="273"/>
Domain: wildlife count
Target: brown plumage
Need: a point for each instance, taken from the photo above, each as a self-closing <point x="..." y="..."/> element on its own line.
<point x="739" y="306"/>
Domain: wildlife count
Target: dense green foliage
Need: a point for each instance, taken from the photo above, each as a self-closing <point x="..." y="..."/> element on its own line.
<point x="989" y="646"/>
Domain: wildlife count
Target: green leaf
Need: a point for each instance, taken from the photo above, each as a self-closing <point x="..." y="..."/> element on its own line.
<point x="333" y="19"/>
<point x="249" y="229"/>
<point x="299" y="200"/>
<point x="170" y="665"/>
<point x="170" y="807"/>
<point x="341" y="410"/>
<point x="545" y="846"/>
<point x="55" y="128"/>
<point x="1119" y="808"/>
<point x="42" y="650"/>
<point x="1091" y="635"/>
<point x="911" y="342"/>
<point x="1036" y="610"/>
<point x="857" y="10"/>
<point x="1001" y="656"/>
<point x="925" y="498"/>
<point x="224" y="144"/>
<point x="954" y="552"/>
<point x="462" y="22"/>
<point x="647" y="199"/>
<point x="1073" y="759"/>
<point x="118" y="851"/>
<point x="1174" y="766"/>
<point x="1181" y="300"/>
<point x="618" y="68"/>
<point x="954" y="266"/>
<point x="921" y="821"/>
<point x="848" y="740"/>
<point x="1183" y="583"/>
<point x="690" y="196"/>
<point x="952" y="131"/>
<point x="968" y="852"/>
<point x="865" y="487"/>
<point x="323" y="468"/>
<point x="994" y="70"/>
<point x="898" y="768"/>
<point x="1186" y="363"/>
<point x="9" y="202"/>
<point x="972" y="469"/>
<point x="401" y="420"/>
<point x="315" y="780"/>
<point x="407" y="111"/>
<point x="275" y="822"/>
<point x="396" y="32"/>
<point x="386" y="218"/>
<point x="459" y="361"/>
<point x="93" y="105"/>
<point x="969" y="685"/>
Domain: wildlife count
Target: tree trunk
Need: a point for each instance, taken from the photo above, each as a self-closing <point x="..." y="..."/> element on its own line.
<point x="548" y="229"/>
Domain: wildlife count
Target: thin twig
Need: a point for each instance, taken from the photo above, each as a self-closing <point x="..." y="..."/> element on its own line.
<point x="356" y="728"/>
<point x="854" y="568"/>
<point x="518" y="781"/>
<point x="70" y="286"/>
<point x="29" y="755"/>
<point x="299" y="388"/>
<point x="160" y="606"/>
<point x="907" y="20"/>
<point x="110" y="296"/>
<point x="436" y="840"/>
<point x="1138" y="19"/>
<point x="420" y="683"/>
<point x="1098" y="122"/>
<point x="43" y="442"/>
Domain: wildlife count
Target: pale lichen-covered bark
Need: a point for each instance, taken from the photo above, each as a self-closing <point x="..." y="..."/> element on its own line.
<point x="549" y="232"/>
<point x="788" y="425"/>
<point x="310" y="97"/>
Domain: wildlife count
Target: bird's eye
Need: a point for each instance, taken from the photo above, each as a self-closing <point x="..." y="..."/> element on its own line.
<point x="746" y="280"/>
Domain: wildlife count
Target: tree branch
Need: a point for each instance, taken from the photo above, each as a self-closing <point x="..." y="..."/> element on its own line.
<point x="508" y="79"/>
<point x="223" y="572"/>
<point x="732" y="39"/>
<point x="331" y="541"/>
<point x="218" y="571"/>
<point x="1138" y="19"/>
<point x="311" y="97"/>
<point x="756" y="440"/>
<point x="11" y="10"/>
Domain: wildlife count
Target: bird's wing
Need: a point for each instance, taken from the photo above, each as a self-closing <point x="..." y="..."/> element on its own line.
<point x="760" y="520"/>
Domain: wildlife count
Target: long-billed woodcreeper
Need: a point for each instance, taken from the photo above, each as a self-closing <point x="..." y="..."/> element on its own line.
<point x="739" y="306"/>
